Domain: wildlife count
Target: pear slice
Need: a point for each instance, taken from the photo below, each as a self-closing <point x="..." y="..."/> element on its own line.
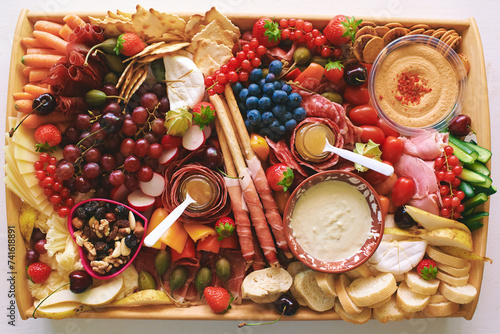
<point x="404" y="233"/>
<point x="61" y="310"/>
<point x="433" y="222"/>
<point x="449" y="237"/>
<point x="94" y="296"/>
<point x="144" y="297"/>
<point x="464" y="254"/>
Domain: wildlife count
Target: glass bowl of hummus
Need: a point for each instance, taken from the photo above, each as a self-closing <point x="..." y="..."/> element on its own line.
<point x="417" y="83"/>
<point x="333" y="221"/>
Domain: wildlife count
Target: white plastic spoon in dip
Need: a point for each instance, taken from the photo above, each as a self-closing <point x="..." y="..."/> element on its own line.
<point x="373" y="164"/>
<point x="155" y="234"/>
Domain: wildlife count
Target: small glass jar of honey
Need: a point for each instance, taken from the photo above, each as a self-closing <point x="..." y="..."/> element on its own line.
<point x="310" y="141"/>
<point x="201" y="189"/>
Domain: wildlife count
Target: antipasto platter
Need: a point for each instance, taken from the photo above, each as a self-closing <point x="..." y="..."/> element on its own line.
<point x="228" y="117"/>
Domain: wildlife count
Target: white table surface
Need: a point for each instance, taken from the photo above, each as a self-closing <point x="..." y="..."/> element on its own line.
<point x="486" y="318"/>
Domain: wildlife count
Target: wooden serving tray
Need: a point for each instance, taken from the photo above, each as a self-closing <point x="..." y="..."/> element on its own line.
<point x="476" y="106"/>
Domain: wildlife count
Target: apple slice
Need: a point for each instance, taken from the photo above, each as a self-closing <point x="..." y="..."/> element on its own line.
<point x="167" y="156"/>
<point x="194" y="138"/>
<point x="119" y="193"/>
<point x="449" y="237"/>
<point x="154" y="187"/>
<point x="207" y="130"/>
<point x="433" y="222"/>
<point x="100" y="295"/>
<point x="140" y="201"/>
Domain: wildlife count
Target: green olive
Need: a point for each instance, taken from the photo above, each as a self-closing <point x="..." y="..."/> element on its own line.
<point x="203" y="279"/>
<point x="162" y="262"/>
<point x="95" y="98"/>
<point x="333" y="96"/>
<point x="223" y="269"/>
<point x="108" y="46"/>
<point x="158" y="69"/>
<point x="146" y="281"/>
<point x="110" y="79"/>
<point x="178" y="278"/>
<point x="302" y="55"/>
<point x="114" y="62"/>
<point x="319" y="60"/>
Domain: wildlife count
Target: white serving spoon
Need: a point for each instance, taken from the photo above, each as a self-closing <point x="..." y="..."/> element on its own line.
<point x="377" y="166"/>
<point x="155" y="234"/>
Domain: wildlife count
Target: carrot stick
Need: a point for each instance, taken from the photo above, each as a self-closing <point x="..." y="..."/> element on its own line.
<point x="44" y="61"/>
<point x="33" y="121"/>
<point x="35" y="90"/>
<point x="42" y="51"/>
<point x="38" y="74"/>
<point x="51" y="41"/>
<point x="47" y="26"/>
<point x="73" y="21"/>
<point x="26" y="71"/>
<point x="31" y="42"/>
<point x="22" y="96"/>
<point x="65" y="32"/>
<point x="24" y="106"/>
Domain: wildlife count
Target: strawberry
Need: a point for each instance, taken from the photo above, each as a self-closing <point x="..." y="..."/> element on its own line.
<point x="224" y="227"/>
<point x="47" y="136"/>
<point x="129" y="44"/>
<point x="427" y="269"/>
<point x="267" y="32"/>
<point x="39" y="272"/>
<point x="203" y="114"/>
<point x="218" y="299"/>
<point x="280" y="177"/>
<point x="334" y="71"/>
<point x="341" y="30"/>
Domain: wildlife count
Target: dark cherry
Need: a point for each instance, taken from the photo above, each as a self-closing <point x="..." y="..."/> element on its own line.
<point x="355" y="74"/>
<point x="287" y="305"/>
<point x="110" y="90"/>
<point x="44" y="104"/>
<point x="403" y="220"/>
<point x="31" y="256"/>
<point x="111" y="122"/>
<point x="212" y="158"/>
<point x="79" y="281"/>
<point x="40" y="246"/>
<point x="460" y="125"/>
<point x="112" y="107"/>
<point x="37" y="235"/>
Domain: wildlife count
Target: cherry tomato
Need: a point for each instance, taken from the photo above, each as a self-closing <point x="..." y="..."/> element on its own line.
<point x="384" y="205"/>
<point x="402" y="191"/>
<point x="356" y="95"/>
<point x="386" y="128"/>
<point x="385" y="187"/>
<point x="374" y="177"/>
<point x="372" y="132"/>
<point x="363" y="115"/>
<point x="392" y="148"/>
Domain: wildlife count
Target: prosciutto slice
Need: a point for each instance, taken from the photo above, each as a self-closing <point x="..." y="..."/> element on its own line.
<point x="427" y="146"/>
<point x="70" y="105"/>
<point x="89" y="34"/>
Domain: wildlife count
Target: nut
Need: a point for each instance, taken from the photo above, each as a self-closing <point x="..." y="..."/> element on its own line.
<point x="90" y="248"/>
<point x="122" y="223"/>
<point x="100" y="245"/>
<point x="79" y="240"/>
<point x="110" y="217"/>
<point x="117" y="251"/>
<point x="113" y="235"/>
<point x="124" y="249"/>
<point x="131" y="220"/>
<point x="123" y="232"/>
<point x="101" y="228"/>
<point x="77" y="223"/>
<point x="139" y="230"/>
<point x="100" y="267"/>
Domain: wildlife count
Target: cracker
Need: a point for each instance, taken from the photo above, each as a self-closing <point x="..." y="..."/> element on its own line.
<point x="381" y="30"/>
<point x="420" y="26"/>
<point x="359" y="45"/>
<point x="139" y="77"/>
<point x="366" y="30"/>
<point x="120" y="17"/>
<point x="465" y="61"/>
<point x="394" y="34"/>
<point x="147" y="50"/>
<point x="219" y="53"/>
<point x="392" y="25"/>
<point x="125" y="14"/>
<point x="168" y="37"/>
<point x="113" y="27"/>
<point x="207" y="65"/>
<point x="416" y="31"/>
<point x="216" y="33"/>
<point x="214" y="14"/>
<point x="126" y="72"/>
<point x="448" y="34"/>
<point x="169" y="22"/>
<point x="195" y="24"/>
<point x="429" y="32"/>
<point x="366" y="23"/>
<point x="372" y="49"/>
<point x="438" y="33"/>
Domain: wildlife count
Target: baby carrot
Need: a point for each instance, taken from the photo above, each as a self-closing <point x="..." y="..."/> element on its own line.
<point x="47" y="26"/>
<point x="38" y="74"/>
<point x="51" y="41"/>
<point x="26" y="71"/>
<point x="44" y="61"/>
<point x="73" y="21"/>
<point x="35" y="90"/>
<point x="312" y="71"/>
<point x="33" y="121"/>
<point x="22" y="96"/>
<point x="42" y="51"/>
<point x="31" y="42"/>
<point x="65" y="32"/>
<point x="24" y="106"/>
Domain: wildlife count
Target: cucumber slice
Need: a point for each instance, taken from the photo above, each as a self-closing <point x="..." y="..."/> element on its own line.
<point x="476" y="216"/>
<point x="478" y="167"/>
<point x="472" y="177"/>
<point x="490" y="191"/>
<point x="462" y="155"/>
<point x="484" y="155"/>
<point x="475" y="201"/>
<point x="486" y="184"/>
<point x="474" y="225"/>
<point x="467" y="189"/>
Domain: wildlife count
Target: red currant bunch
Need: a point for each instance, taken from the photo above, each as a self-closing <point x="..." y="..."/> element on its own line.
<point x="448" y="169"/>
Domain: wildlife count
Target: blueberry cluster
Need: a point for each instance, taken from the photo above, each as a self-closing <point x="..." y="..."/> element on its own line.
<point x="268" y="105"/>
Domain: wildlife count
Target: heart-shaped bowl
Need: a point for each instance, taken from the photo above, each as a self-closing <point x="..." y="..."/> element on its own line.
<point x="83" y="252"/>
<point x="333" y="221"/>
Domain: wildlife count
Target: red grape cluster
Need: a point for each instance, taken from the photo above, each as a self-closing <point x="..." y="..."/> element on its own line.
<point x="47" y="173"/>
<point x="447" y="169"/>
<point x="237" y="68"/>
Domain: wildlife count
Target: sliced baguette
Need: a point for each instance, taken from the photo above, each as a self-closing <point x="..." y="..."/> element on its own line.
<point x="306" y="285"/>
<point x="457" y="272"/>
<point x="442" y="309"/>
<point x="341" y="283"/>
<point x="441" y="257"/>
<point x="327" y="283"/>
<point x="293" y="269"/>
<point x="358" y="318"/>
<point x="361" y="271"/>
<point x="390" y="311"/>
<point x="371" y="290"/>
<point x="380" y="303"/>
<point x="399" y="277"/>
<point x="410" y="301"/>
<point x="419" y="285"/>
<point x="458" y="294"/>
<point x="437" y="298"/>
<point x="266" y="285"/>
<point x="452" y="280"/>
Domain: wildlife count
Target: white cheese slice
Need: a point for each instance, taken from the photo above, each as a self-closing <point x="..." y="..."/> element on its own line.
<point x="398" y="257"/>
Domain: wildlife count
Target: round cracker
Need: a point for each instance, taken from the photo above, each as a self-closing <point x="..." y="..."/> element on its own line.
<point x="438" y="33"/>
<point x="394" y="34"/>
<point x="372" y="49"/>
<point x="416" y="31"/>
<point x="447" y="34"/>
<point x="420" y="26"/>
<point x="392" y="25"/>
<point x="365" y="23"/>
<point x="381" y="30"/>
<point x="359" y="45"/>
<point x="465" y="61"/>
<point x="366" y="30"/>
<point x="428" y="32"/>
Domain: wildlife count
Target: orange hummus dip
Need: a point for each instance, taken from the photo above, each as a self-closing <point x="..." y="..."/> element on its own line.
<point x="416" y="86"/>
